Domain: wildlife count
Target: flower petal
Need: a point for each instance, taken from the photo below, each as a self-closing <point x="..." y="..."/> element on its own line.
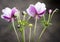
<point x="7" y="12"/>
<point x="5" y="18"/>
<point x="43" y="8"/>
<point x="40" y="7"/>
<point x="13" y="11"/>
<point x="31" y="10"/>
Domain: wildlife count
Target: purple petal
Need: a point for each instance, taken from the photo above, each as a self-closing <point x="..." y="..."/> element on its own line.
<point x="42" y="12"/>
<point x="31" y="10"/>
<point x="5" y="18"/>
<point x="13" y="11"/>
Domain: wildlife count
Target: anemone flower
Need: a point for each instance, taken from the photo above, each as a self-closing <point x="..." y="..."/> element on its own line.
<point x="8" y="13"/>
<point x="36" y="10"/>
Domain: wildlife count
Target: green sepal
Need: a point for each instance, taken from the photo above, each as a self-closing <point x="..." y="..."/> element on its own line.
<point x="46" y="23"/>
<point x="21" y="29"/>
<point x="23" y="22"/>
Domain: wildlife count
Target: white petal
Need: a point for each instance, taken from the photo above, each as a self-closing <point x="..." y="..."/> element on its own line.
<point x="40" y="7"/>
<point x="2" y="16"/>
<point x="7" y="11"/>
<point x="43" y="7"/>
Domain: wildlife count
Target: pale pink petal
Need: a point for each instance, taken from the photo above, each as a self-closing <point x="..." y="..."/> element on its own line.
<point x="40" y="7"/>
<point x="7" y="12"/>
<point x="31" y="10"/>
<point x="14" y="10"/>
<point x="43" y="8"/>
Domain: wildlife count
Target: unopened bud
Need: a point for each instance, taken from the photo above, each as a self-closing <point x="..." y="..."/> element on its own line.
<point x="30" y="25"/>
<point x="50" y="11"/>
<point x="24" y="13"/>
<point x="18" y="26"/>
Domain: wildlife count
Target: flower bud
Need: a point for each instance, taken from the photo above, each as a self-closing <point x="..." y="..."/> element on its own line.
<point x="18" y="26"/>
<point x="30" y="25"/>
<point x="50" y="11"/>
<point x="24" y="13"/>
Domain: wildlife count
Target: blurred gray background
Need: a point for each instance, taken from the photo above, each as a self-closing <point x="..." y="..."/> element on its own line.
<point x="52" y="34"/>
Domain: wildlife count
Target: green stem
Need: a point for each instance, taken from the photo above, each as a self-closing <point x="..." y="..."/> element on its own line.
<point x="35" y="25"/>
<point x="18" y="15"/>
<point x="53" y="12"/>
<point x="15" y="30"/>
<point x="28" y="18"/>
<point x="42" y="33"/>
<point x="30" y="34"/>
<point x="24" y="17"/>
<point x="49" y="18"/>
<point x="23" y="35"/>
<point x="44" y="17"/>
<point x="23" y="32"/>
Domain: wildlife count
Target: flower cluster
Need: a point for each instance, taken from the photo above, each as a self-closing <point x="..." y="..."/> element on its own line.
<point x="36" y="11"/>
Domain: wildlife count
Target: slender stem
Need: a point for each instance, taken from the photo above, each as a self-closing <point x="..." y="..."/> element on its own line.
<point x="23" y="32"/>
<point x="34" y="29"/>
<point x="15" y="30"/>
<point x="23" y="35"/>
<point x="30" y="34"/>
<point x="42" y="33"/>
<point x="28" y="18"/>
<point x="54" y="12"/>
<point x="18" y="15"/>
<point x="35" y="25"/>
<point x="49" y="18"/>
<point x="24" y="17"/>
<point x="44" y="17"/>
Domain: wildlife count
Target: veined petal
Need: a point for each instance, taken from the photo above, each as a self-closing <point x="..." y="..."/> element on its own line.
<point x="40" y="7"/>
<point x="31" y="10"/>
<point x="7" y="11"/>
<point x="43" y="8"/>
<point x="13" y="11"/>
<point x="5" y="18"/>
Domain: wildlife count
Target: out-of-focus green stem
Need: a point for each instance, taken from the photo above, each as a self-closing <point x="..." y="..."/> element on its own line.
<point x="24" y="16"/>
<point x="44" y="17"/>
<point x="28" y="18"/>
<point x="23" y="35"/>
<point x="54" y="12"/>
<point x="30" y="34"/>
<point x="42" y="33"/>
<point x="49" y="18"/>
<point x="15" y="30"/>
<point x="35" y="25"/>
<point x="23" y="32"/>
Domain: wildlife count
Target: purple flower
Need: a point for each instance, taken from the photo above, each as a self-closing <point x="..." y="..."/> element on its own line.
<point x="8" y="13"/>
<point x="36" y="10"/>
